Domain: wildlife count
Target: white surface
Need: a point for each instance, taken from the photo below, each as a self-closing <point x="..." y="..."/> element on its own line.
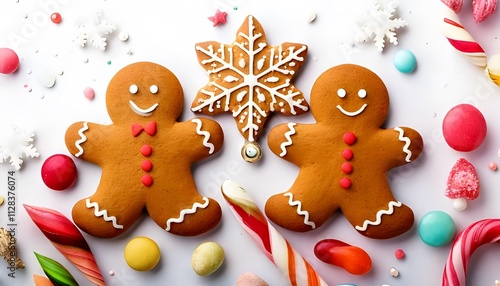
<point x="166" y="32"/>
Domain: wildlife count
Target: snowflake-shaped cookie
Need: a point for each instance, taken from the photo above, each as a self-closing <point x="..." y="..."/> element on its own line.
<point x="16" y="144"/>
<point x="93" y="30"/>
<point x="250" y="78"/>
<point x="378" y="23"/>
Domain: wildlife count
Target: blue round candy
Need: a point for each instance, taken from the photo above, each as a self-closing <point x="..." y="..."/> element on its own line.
<point x="405" y="61"/>
<point x="436" y="228"/>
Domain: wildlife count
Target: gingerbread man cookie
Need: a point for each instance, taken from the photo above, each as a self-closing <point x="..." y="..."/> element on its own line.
<point x="344" y="158"/>
<point x="146" y="157"/>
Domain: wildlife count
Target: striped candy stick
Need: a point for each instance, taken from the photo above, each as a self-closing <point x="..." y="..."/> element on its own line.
<point x="272" y="243"/>
<point x="66" y="237"/>
<point x="468" y="240"/>
<point x="462" y="40"/>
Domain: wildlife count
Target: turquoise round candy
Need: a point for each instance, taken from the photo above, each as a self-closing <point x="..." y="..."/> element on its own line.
<point x="436" y="228"/>
<point x="405" y="61"/>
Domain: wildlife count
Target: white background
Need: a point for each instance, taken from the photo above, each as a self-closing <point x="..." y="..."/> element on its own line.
<point x="165" y="32"/>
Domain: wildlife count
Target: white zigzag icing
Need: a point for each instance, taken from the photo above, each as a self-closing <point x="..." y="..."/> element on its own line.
<point x="288" y="138"/>
<point x="206" y="134"/>
<point x="293" y="203"/>
<point x="378" y="216"/>
<point x="408" y="142"/>
<point x="103" y="213"/>
<point x="185" y="212"/>
<point x="82" y="139"/>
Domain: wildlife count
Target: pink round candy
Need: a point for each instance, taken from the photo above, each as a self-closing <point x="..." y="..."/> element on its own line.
<point x="464" y="128"/>
<point x="59" y="172"/>
<point x="9" y="61"/>
<point x="89" y="93"/>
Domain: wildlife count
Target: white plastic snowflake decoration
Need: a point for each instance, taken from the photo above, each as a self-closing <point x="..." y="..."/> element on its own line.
<point x="93" y="30"/>
<point x="16" y="144"/>
<point x="379" y="23"/>
<point x="250" y="79"/>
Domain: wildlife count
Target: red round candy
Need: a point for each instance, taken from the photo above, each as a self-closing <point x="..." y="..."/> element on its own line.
<point x="349" y="138"/>
<point x="56" y="18"/>
<point x="59" y="172"/>
<point x="464" y="128"/>
<point x="9" y="61"/>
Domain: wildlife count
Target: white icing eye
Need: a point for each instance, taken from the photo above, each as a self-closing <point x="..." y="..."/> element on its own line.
<point x="133" y="89"/>
<point x="153" y="89"/>
<point x="341" y="92"/>
<point x="362" y="93"/>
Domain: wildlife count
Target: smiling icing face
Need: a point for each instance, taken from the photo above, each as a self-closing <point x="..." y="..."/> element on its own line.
<point x="140" y="111"/>
<point x="349" y="92"/>
<point x="142" y="92"/>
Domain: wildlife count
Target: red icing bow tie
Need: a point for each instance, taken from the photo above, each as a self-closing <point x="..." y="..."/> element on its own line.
<point x="150" y="129"/>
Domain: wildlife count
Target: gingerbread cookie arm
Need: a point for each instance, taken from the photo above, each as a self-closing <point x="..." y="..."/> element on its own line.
<point x="83" y="138"/>
<point x="292" y="142"/>
<point x="201" y="137"/>
<point x="405" y="142"/>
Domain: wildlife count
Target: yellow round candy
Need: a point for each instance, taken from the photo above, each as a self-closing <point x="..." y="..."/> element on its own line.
<point x="142" y="253"/>
<point x="207" y="258"/>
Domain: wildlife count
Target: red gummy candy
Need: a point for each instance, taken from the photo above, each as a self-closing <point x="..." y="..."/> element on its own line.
<point x="463" y="181"/>
<point x="464" y="128"/>
<point x="352" y="258"/>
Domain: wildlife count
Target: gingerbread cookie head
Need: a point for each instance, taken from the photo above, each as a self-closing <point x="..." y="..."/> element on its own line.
<point x="348" y="93"/>
<point x="344" y="158"/>
<point x="146" y="157"/>
<point x="250" y="79"/>
<point x="144" y="91"/>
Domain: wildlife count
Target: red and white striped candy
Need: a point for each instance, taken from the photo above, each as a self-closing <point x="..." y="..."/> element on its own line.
<point x="298" y="271"/>
<point x="462" y="41"/>
<point x="468" y="240"/>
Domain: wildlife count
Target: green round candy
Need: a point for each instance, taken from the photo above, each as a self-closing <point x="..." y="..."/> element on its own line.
<point x="405" y="61"/>
<point x="436" y="228"/>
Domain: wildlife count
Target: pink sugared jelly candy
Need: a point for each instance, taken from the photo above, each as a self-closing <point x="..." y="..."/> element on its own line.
<point x="352" y="258"/>
<point x="59" y="172"/>
<point x="464" y="128"/>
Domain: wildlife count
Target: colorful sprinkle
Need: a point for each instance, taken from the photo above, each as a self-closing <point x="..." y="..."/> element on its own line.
<point x="399" y="253"/>
<point x="394" y="272"/>
<point x="56" y="18"/>
<point x="123" y="36"/>
<point x="493" y="166"/>
<point x="218" y="18"/>
<point x="89" y="93"/>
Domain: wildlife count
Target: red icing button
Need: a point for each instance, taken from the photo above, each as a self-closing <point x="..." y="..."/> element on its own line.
<point x="347" y="154"/>
<point x="146" y="165"/>
<point x="349" y="138"/>
<point x="147" y="180"/>
<point x="146" y="150"/>
<point x="347" y="168"/>
<point x="345" y="183"/>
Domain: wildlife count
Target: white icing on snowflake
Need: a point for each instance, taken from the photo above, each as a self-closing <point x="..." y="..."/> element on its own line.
<point x="93" y="30"/>
<point x="16" y="144"/>
<point x="258" y="82"/>
<point x="378" y="23"/>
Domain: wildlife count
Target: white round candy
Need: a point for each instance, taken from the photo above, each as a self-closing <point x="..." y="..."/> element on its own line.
<point x="460" y="204"/>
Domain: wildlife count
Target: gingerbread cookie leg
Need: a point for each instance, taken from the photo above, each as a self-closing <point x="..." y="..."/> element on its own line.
<point x="107" y="215"/>
<point x="382" y="217"/>
<point x="298" y="211"/>
<point x="181" y="210"/>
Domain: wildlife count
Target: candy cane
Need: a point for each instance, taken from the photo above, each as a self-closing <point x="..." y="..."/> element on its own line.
<point x="479" y="233"/>
<point x="463" y="42"/>
<point x="272" y="243"/>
